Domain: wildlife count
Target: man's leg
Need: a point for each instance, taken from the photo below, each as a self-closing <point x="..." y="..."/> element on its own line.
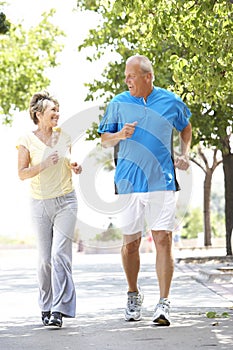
<point x="164" y="260"/>
<point x="131" y="264"/>
<point x="131" y="259"/>
<point x="164" y="269"/>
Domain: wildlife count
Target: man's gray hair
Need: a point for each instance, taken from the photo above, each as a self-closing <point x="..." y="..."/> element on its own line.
<point x="145" y="64"/>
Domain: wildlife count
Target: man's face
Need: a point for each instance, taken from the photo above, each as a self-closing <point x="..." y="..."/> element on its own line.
<point x="139" y="83"/>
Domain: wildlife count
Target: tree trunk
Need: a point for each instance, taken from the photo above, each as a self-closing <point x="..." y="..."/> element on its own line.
<point x="208" y="170"/>
<point x="207" y="221"/>
<point x="228" y="176"/>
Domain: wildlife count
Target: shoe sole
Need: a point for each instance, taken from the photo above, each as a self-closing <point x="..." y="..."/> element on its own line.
<point x="131" y="319"/>
<point x="45" y="322"/>
<point x="55" y="324"/>
<point x="161" y="321"/>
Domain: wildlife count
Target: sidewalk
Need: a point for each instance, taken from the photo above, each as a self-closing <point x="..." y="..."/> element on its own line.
<point x="101" y="297"/>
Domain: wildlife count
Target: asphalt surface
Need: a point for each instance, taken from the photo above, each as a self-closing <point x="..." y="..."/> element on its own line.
<point x="198" y="288"/>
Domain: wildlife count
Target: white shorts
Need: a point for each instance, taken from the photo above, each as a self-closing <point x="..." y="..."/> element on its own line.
<point x="152" y="210"/>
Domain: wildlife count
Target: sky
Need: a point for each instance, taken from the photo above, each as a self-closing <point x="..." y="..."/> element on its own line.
<point x="67" y="84"/>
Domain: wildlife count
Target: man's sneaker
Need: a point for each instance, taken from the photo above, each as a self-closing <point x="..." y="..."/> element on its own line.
<point x="133" y="307"/>
<point x="45" y="316"/>
<point x="55" y="319"/>
<point x="161" y="313"/>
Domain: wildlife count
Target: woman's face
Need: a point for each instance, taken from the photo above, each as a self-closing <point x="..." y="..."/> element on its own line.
<point x="50" y="116"/>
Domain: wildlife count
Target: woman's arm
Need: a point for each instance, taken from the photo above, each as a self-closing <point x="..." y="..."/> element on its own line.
<point x="25" y="171"/>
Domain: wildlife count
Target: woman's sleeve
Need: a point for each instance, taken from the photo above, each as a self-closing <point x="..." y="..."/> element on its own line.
<point x="23" y="141"/>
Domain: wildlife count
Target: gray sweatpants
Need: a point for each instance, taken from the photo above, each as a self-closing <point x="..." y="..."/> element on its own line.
<point x="54" y="221"/>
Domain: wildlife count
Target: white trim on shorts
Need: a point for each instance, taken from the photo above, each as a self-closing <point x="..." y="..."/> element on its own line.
<point x="150" y="210"/>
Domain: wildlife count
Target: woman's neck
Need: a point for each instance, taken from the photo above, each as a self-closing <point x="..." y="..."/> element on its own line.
<point x="45" y="135"/>
<point x="44" y="130"/>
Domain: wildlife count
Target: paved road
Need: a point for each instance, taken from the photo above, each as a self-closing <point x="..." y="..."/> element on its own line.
<point x="99" y="324"/>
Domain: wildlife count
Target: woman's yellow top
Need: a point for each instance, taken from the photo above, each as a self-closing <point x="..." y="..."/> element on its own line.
<point x="56" y="180"/>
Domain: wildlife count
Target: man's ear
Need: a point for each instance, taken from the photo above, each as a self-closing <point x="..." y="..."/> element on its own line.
<point x="148" y="77"/>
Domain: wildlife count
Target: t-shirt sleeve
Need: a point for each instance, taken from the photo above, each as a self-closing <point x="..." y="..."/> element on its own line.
<point x="183" y="115"/>
<point x="66" y="137"/>
<point x="23" y="141"/>
<point x="109" y="122"/>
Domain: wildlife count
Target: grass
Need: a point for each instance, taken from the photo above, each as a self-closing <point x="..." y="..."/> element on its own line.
<point x="16" y="241"/>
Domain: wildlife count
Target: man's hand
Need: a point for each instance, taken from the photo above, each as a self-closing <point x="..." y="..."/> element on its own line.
<point x="182" y="162"/>
<point x="112" y="139"/>
<point x="127" y="130"/>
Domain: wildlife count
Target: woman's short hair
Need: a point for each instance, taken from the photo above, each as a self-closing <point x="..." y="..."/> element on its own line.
<point x="38" y="103"/>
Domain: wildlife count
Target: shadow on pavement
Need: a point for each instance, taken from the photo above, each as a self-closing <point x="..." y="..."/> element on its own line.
<point x="101" y="298"/>
<point x="107" y="330"/>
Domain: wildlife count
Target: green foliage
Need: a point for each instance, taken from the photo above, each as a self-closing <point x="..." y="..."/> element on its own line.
<point x="190" y="44"/>
<point x="217" y="202"/>
<point x="111" y="234"/>
<point x="192" y="224"/>
<point x="25" y="57"/>
<point x="4" y="24"/>
<point x="27" y="239"/>
<point x="217" y="224"/>
<point x="104" y="157"/>
<point x="214" y="314"/>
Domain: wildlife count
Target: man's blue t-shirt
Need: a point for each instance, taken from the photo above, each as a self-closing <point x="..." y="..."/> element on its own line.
<point x="144" y="161"/>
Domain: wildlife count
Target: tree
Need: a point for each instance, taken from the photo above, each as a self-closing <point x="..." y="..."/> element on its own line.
<point x="25" y="56"/>
<point x="193" y="224"/>
<point x="4" y="24"/>
<point x="204" y="163"/>
<point x="190" y="44"/>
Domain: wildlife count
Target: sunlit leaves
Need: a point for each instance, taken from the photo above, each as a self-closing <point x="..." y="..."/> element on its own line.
<point x="25" y="56"/>
<point x="190" y="44"/>
<point x="4" y="24"/>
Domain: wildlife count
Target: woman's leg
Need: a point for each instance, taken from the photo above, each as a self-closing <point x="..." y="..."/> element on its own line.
<point x="64" y="296"/>
<point x="44" y="232"/>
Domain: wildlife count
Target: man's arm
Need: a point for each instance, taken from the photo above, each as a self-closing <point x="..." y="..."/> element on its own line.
<point x="112" y="139"/>
<point x="186" y="138"/>
<point x="182" y="162"/>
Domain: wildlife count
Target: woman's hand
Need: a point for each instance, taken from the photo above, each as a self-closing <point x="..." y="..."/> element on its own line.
<point x="51" y="160"/>
<point x="77" y="169"/>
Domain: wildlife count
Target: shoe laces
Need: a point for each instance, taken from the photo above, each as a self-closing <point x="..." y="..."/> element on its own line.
<point x="134" y="302"/>
<point x="164" y="304"/>
<point x="45" y="314"/>
<point x="57" y="315"/>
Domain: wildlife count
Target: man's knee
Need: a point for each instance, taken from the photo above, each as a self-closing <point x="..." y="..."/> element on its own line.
<point x="131" y="247"/>
<point x="162" y="238"/>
